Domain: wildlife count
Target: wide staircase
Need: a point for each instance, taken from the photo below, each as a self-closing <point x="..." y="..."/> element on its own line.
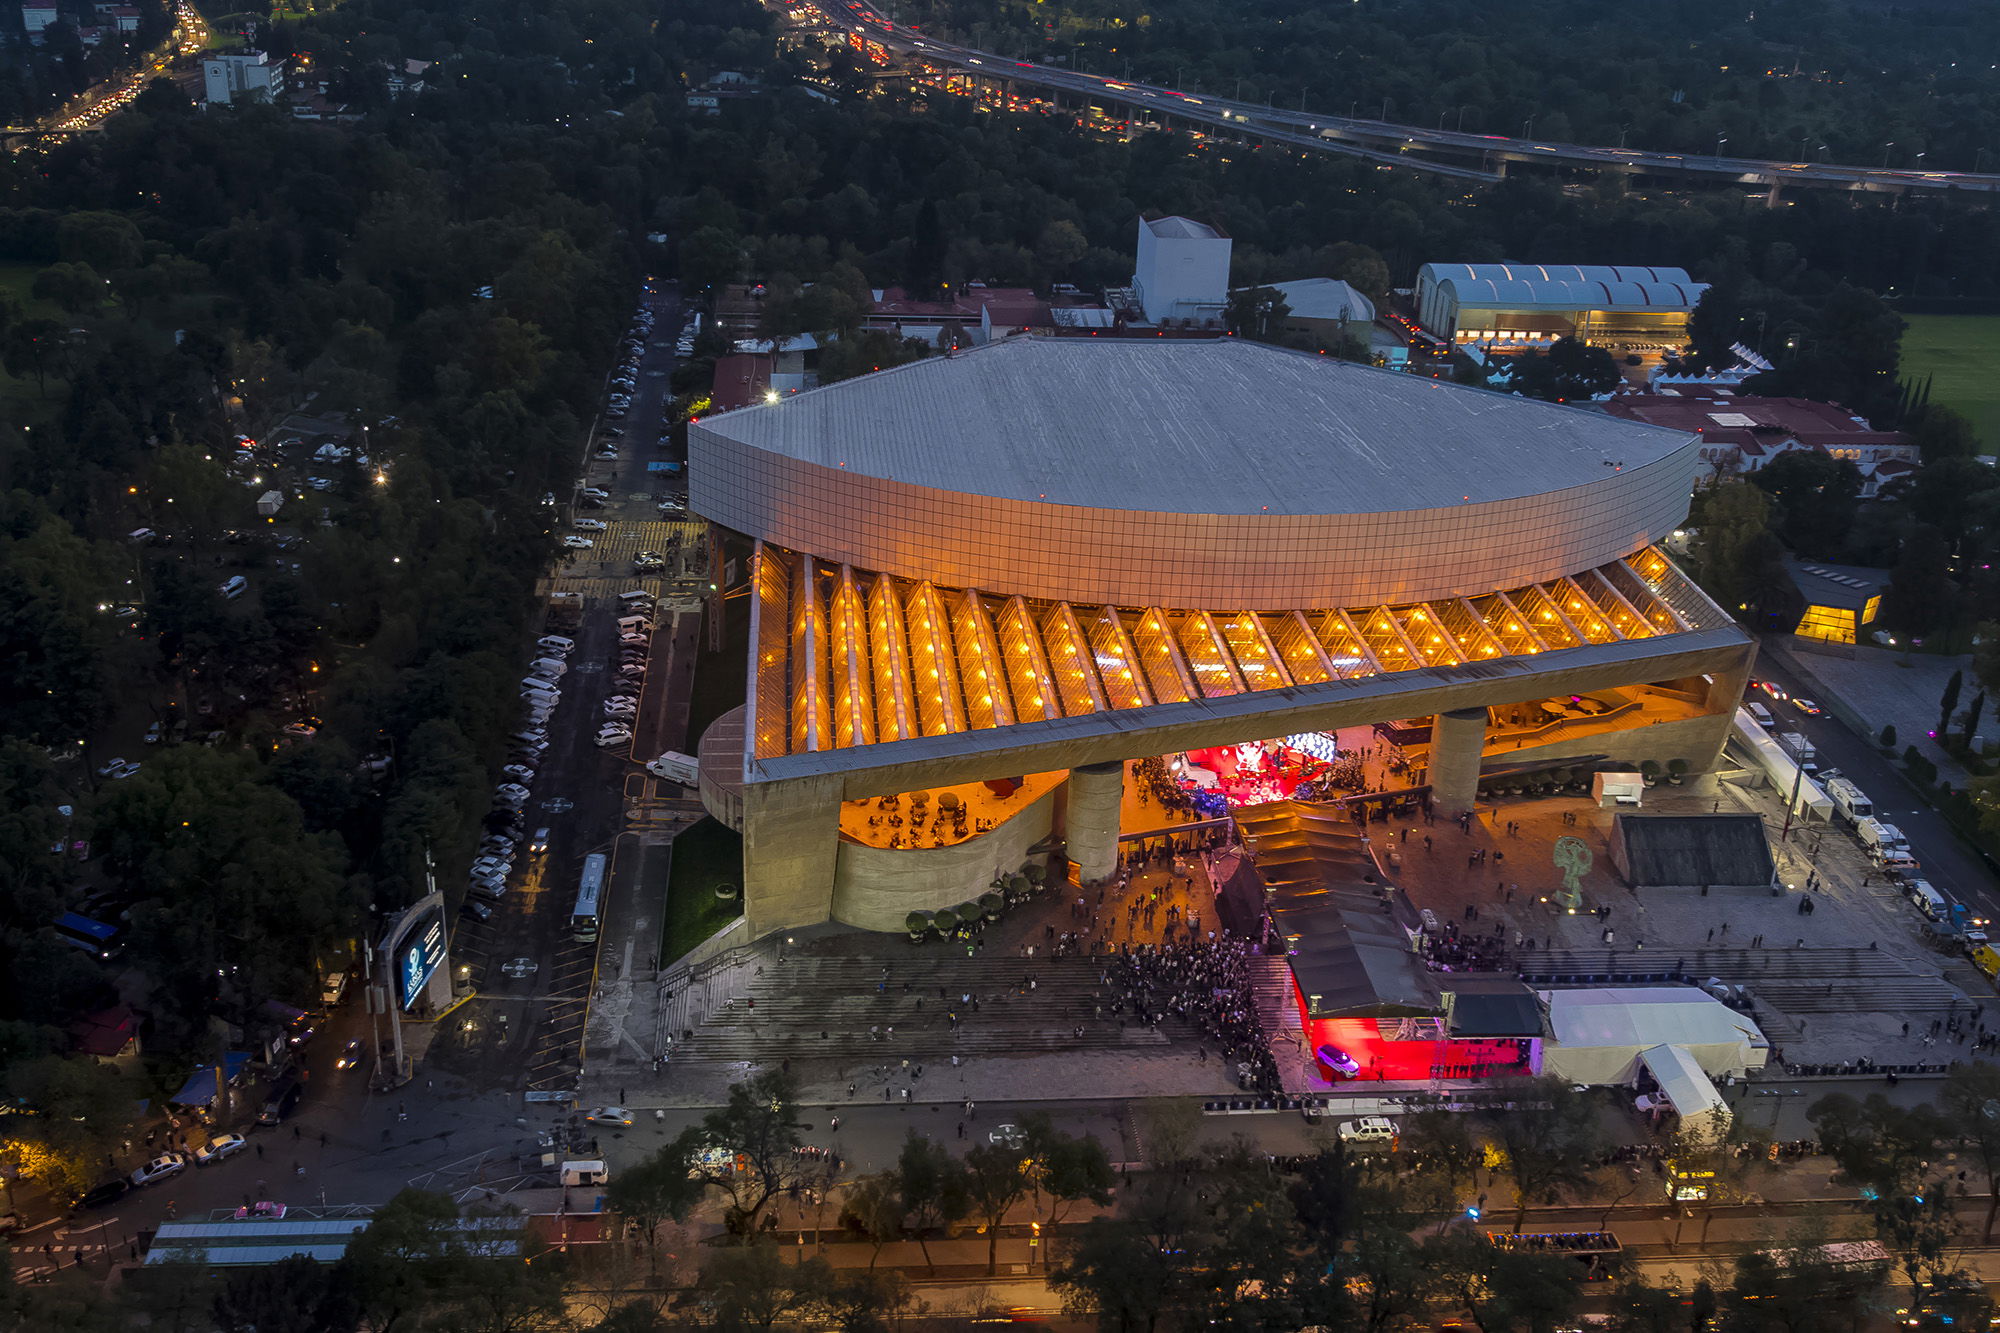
<point x="823" y="1006"/>
<point x="1795" y="981"/>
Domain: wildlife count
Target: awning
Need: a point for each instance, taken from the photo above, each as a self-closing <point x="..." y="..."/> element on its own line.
<point x="199" y="1090"/>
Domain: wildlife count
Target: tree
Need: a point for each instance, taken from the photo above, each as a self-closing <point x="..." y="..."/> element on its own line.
<point x="1549" y="1139"/>
<point x="1972" y="716"/>
<point x="1257" y="313"/>
<point x="1817" y="495"/>
<point x="1115" y="1271"/>
<point x="932" y="1186"/>
<point x="1570" y="371"/>
<point x="659" y="1187"/>
<point x="1511" y="1289"/>
<point x="754" y="1136"/>
<point x="1443" y="1144"/>
<point x="1920" y="595"/>
<point x="1061" y="244"/>
<point x="405" y="1260"/>
<point x="751" y="1286"/>
<point x="1892" y="1154"/>
<point x="1940" y="433"/>
<point x="74" y="287"/>
<point x="33" y="347"/>
<point x="1948" y="701"/>
<point x="875" y="1208"/>
<point x="1970" y="1100"/>
<point x="996" y="1178"/>
<point x="1068" y="1168"/>
<point x="294" y="1295"/>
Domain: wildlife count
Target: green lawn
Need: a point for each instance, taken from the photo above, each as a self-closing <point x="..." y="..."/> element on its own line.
<point x="1962" y="355"/>
<point x="705" y="855"/>
<point x="18" y="280"/>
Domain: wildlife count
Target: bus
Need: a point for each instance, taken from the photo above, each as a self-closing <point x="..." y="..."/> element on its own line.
<point x="583" y="920"/>
<point x="93" y="937"/>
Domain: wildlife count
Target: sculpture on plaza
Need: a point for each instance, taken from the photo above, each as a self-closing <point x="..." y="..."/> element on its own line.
<point x="1572" y="857"/>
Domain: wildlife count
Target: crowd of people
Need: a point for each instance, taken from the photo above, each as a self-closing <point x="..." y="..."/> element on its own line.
<point x="1205" y="982"/>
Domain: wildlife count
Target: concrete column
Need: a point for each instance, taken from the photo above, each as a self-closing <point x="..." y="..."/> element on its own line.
<point x="1096" y="792"/>
<point x="1458" y="739"/>
<point x="791" y="846"/>
<point x="1726" y="685"/>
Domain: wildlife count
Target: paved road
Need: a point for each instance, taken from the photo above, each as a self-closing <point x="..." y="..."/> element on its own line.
<point x="1382" y="142"/>
<point x="1947" y="861"/>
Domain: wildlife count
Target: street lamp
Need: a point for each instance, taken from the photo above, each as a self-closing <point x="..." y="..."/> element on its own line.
<point x="1719" y="141"/>
<point x="1885" y="153"/>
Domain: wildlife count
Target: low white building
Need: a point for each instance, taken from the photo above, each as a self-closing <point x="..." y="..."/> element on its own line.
<point x="234" y="76"/>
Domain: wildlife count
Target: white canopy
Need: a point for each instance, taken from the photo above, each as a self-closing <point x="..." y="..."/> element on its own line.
<point x="1597" y="1036"/>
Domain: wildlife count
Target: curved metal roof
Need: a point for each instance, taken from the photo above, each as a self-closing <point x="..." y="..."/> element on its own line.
<point x="1566" y="286"/>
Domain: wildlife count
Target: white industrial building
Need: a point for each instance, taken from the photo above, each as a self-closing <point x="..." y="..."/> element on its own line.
<point x="1183" y="273"/>
<point x="248" y="76"/>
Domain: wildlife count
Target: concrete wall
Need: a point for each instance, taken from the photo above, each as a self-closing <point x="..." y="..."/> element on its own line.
<point x="1696" y="739"/>
<point x="791" y="840"/>
<point x="875" y="888"/>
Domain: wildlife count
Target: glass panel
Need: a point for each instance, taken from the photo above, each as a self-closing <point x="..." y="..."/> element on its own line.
<point x="1117" y="662"/>
<point x="1551" y="626"/>
<point x="812" y="717"/>
<point x="1507" y="623"/>
<point x="1161" y="657"/>
<point x="980" y="670"/>
<point x="1255" y="656"/>
<point x="1345" y="647"/>
<point x="771" y="642"/>
<point x="1207" y="662"/>
<point x="1027" y="666"/>
<point x="1069" y="661"/>
<point x="1582" y="612"/>
<point x="1299" y="648"/>
<point x="853" y="699"/>
<point x="1429" y="635"/>
<point x="1384" y="637"/>
<point x="933" y="663"/>
<point x="889" y="651"/>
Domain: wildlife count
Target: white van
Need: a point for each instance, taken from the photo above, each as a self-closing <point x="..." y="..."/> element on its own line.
<point x="1927" y="899"/>
<point x="1762" y="716"/>
<point x="585" y="1173"/>
<point x="234" y="588"/>
<point x="627" y="624"/>
<point x="635" y="599"/>
<point x="556" y="643"/>
<point x="549" y="667"/>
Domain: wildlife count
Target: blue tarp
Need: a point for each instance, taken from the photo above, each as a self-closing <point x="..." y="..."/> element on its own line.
<point x="199" y="1090"/>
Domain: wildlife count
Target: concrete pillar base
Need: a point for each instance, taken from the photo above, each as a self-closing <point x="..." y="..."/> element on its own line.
<point x="1095" y="794"/>
<point x="1458" y="739"/>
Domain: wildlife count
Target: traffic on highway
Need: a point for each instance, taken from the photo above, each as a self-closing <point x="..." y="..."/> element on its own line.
<point x="1382" y="142"/>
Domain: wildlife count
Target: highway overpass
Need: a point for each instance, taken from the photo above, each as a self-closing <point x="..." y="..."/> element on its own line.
<point x="1449" y="153"/>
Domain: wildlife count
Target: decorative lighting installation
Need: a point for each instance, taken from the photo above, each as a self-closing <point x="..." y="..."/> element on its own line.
<point x="844" y="657"/>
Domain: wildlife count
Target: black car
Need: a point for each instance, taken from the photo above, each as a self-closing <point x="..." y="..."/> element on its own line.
<point x="103" y="1196"/>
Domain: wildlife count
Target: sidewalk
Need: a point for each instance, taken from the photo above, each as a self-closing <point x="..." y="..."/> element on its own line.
<point x="1880" y="687"/>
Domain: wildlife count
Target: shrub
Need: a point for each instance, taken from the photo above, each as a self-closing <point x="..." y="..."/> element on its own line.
<point x="1889" y="737"/>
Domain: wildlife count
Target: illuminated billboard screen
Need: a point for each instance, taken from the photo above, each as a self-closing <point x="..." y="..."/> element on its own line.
<point x="421" y="953"/>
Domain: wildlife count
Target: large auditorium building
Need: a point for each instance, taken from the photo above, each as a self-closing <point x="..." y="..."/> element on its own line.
<point x="1001" y="577"/>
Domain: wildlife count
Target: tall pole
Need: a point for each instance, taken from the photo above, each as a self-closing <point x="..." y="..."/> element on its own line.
<point x="1798" y="779"/>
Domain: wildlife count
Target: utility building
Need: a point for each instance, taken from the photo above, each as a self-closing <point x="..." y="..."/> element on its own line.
<point x="1183" y="273"/>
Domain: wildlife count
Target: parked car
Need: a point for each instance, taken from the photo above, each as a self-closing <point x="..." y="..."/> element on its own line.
<point x="166" y="1164"/>
<point x="1339" y="1061"/>
<point x="591" y="525"/>
<point x="219" y="1147"/>
<point x="105" y="1194"/>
